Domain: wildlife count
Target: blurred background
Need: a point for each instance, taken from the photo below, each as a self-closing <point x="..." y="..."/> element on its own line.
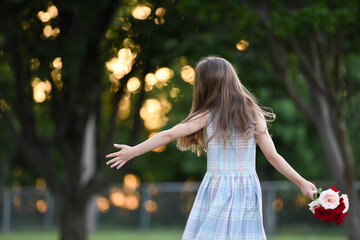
<point x="77" y="76"/>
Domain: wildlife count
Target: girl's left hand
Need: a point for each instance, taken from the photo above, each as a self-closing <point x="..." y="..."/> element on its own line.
<point x="121" y="157"/>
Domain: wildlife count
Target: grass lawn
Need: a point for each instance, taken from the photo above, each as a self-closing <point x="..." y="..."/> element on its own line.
<point x="162" y="235"/>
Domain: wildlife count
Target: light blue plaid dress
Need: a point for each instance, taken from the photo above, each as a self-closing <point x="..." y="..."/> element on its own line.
<point x="228" y="204"/>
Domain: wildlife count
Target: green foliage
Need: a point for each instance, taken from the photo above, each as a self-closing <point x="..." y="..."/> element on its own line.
<point x="191" y="30"/>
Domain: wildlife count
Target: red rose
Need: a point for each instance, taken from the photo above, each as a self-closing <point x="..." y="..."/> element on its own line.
<point x="340" y="218"/>
<point x="328" y="215"/>
<point x="339" y="209"/>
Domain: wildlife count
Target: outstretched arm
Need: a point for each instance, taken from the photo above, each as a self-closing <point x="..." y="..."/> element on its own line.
<point x="268" y="148"/>
<point x="164" y="137"/>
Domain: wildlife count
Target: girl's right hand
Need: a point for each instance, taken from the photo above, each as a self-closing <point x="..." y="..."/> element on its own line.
<point x="307" y="189"/>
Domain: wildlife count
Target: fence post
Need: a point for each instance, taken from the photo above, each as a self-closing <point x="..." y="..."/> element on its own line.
<point x="144" y="215"/>
<point x="6" y="211"/>
<point x="49" y="214"/>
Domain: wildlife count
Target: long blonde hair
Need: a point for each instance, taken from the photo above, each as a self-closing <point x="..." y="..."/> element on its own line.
<point x="218" y="89"/>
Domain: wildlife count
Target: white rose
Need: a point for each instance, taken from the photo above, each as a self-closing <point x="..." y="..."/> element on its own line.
<point x="346" y="202"/>
<point x="329" y="199"/>
<point x="313" y="205"/>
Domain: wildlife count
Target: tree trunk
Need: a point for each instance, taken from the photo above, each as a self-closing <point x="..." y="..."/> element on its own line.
<point x="341" y="164"/>
<point x="72" y="219"/>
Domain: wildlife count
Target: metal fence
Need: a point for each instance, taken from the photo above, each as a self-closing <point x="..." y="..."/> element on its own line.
<point x="147" y="205"/>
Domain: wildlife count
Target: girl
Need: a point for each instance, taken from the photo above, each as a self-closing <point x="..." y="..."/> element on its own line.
<point x="226" y="122"/>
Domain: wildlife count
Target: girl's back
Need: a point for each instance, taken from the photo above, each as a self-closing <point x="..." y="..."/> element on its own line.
<point x="228" y="204"/>
<point x="239" y="156"/>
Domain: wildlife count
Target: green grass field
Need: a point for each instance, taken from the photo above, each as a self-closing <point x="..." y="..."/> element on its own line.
<point x="164" y="235"/>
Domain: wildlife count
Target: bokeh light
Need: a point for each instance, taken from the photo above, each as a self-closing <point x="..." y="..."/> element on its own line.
<point x="151" y="114"/>
<point x="103" y="204"/>
<point x="188" y="74"/>
<point x="150" y="81"/>
<point x="164" y="74"/>
<point x="41" y="206"/>
<point x="48" y="31"/>
<point x="124" y="106"/>
<point x="34" y="63"/>
<point x="51" y="12"/>
<point x="131" y="182"/>
<point x="242" y="45"/>
<point x="40" y="184"/>
<point x="120" y="65"/>
<point x="132" y="201"/>
<point x="57" y="63"/>
<point x="41" y="90"/>
<point x="160" y="12"/>
<point x="174" y="92"/>
<point x="141" y="12"/>
<point x="277" y="205"/>
<point x="150" y="206"/>
<point x="117" y="198"/>
<point x="133" y="84"/>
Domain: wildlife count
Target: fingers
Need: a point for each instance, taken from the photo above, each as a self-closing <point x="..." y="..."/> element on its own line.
<point x="119" y="145"/>
<point x="119" y="164"/>
<point x="113" y="160"/>
<point x="122" y="164"/>
<point x="114" y="154"/>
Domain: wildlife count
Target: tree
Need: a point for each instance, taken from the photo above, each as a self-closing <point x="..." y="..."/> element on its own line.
<point x="311" y="47"/>
<point x="76" y="86"/>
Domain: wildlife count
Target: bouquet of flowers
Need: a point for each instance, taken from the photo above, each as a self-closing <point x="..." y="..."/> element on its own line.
<point x="329" y="205"/>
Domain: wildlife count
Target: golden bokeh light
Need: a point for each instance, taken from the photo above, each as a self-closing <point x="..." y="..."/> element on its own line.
<point x="126" y="26"/>
<point x="174" y="92"/>
<point x="141" y="12"/>
<point x="242" y="45"/>
<point x="160" y="12"/>
<point x="277" y="205"/>
<point x="122" y="64"/>
<point x="150" y="206"/>
<point x="40" y="184"/>
<point x="56" y="76"/>
<point x="53" y="11"/>
<point x="57" y="63"/>
<point x="165" y="104"/>
<point x="41" y="90"/>
<point x="131" y="182"/>
<point x="164" y="74"/>
<point x="34" y="63"/>
<point x="48" y="31"/>
<point x="102" y="204"/>
<point x="159" y="149"/>
<point x="133" y="84"/>
<point x="132" y="202"/>
<point x="188" y="74"/>
<point x="153" y="112"/>
<point x="159" y="21"/>
<point x="150" y="81"/>
<point x="124" y="106"/>
<point x="41" y="206"/>
<point x="128" y="43"/>
<point x="117" y="198"/>
<point x="44" y="16"/>
<point x="50" y="13"/>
